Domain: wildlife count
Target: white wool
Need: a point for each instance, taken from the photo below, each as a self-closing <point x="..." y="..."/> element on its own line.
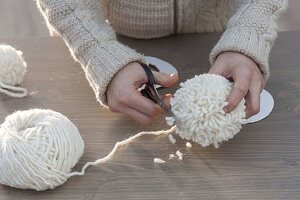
<point x="170" y="121"/>
<point x="12" y="71"/>
<point x="189" y="145"/>
<point x="179" y="154"/>
<point x="158" y="160"/>
<point x="199" y="105"/>
<point x="172" y="139"/>
<point x="38" y="149"/>
<point x="171" y="156"/>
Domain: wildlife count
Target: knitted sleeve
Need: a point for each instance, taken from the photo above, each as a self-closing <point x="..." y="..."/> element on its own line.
<point x="90" y="39"/>
<point x="252" y="31"/>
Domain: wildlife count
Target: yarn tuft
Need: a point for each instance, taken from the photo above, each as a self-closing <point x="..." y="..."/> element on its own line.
<point x="12" y="71"/>
<point x="199" y="105"/>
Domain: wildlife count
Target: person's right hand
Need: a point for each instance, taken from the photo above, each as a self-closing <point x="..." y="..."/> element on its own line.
<point x="123" y="95"/>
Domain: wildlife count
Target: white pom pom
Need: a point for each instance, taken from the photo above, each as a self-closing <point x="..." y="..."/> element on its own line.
<point x="199" y="104"/>
<point x="12" y="71"/>
<point x="38" y="148"/>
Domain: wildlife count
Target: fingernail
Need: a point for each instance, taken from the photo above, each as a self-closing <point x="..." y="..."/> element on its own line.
<point x="171" y="75"/>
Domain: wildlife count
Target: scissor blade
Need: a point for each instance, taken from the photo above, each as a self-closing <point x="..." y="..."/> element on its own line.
<point x="154" y="96"/>
<point x="170" y="113"/>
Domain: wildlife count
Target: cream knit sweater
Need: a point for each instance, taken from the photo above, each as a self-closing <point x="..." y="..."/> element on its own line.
<point x="88" y="28"/>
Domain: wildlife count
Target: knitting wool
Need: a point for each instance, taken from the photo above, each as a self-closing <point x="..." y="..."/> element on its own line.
<point x="180" y="155"/>
<point x="172" y="139"/>
<point x="12" y="71"/>
<point x="199" y="105"/>
<point x="188" y="144"/>
<point x="12" y="65"/>
<point x="39" y="148"/>
<point x="158" y="160"/>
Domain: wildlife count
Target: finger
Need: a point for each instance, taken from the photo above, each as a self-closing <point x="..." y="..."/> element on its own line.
<point x="253" y="101"/>
<point x="219" y="69"/>
<point x="216" y="70"/>
<point x="143" y="104"/>
<point x="238" y="92"/>
<point x="259" y="76"/>
<point x="165" y="80"/>
<point x="135" y="115"/>
<point x="262" y="83"/>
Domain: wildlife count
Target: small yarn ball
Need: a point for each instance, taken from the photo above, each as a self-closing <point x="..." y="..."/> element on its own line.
<point x="199" y="105"/>
<point x="38" y="149"/>
<point x="12" y="65"/>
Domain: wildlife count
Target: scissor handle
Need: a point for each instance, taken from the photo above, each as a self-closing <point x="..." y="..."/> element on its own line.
<point x="146" y="93"/>
<point x="149" y="73"/>
<point x="150" y="91"/>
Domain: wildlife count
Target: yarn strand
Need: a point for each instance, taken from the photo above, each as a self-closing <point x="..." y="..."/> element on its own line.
<point x="18" y="92"/>
<point x="40" y="147"/>
<point x="118" y="145"/>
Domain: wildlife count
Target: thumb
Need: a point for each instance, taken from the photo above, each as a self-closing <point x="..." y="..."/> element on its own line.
<point x="165" y="80"/>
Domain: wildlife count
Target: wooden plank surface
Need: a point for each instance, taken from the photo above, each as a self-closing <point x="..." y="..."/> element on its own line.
<point x="261" y="162"/>
<point x="21" y="18"/>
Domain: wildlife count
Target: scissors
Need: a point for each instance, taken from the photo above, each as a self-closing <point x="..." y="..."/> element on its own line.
<point x="151" y="93"/>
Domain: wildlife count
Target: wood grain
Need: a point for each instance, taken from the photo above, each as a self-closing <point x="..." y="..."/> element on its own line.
<point x="261" y="162"/>
<point x="21" y="18"/>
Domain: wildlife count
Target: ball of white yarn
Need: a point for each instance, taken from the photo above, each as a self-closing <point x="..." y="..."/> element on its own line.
<point x="199" y="104"/>
<point x="12" y="65"/>
<point x="38" y="149"/>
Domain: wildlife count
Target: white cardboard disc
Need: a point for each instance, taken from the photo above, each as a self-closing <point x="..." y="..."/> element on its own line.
<point x="266" y="107"/>
<point x="161" y="65"/>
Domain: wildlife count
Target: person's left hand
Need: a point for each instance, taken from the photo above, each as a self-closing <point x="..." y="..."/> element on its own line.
<point x="247" y="78"/>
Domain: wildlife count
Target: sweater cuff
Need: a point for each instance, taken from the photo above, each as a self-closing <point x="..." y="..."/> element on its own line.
<point x="104" y="62"/>
<point x="248" y="42"/>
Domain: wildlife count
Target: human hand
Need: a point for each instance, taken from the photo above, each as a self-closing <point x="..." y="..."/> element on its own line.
<point x="123" y="95"/>
<point x="247" y="78"/>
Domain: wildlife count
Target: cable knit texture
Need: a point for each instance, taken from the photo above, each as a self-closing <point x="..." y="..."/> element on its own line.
<point x="88" y="28"/>
<point x="252" y="31"/>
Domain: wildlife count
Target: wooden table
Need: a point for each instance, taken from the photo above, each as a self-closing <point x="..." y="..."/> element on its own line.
<point x="261" y="162"/>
